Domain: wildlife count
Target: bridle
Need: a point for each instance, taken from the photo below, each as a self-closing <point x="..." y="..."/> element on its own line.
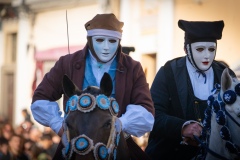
<point x="82" y="144"/>
<point x="217" y="105"/>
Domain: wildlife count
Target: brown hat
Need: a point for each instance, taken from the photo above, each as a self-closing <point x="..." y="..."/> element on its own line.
<point x="104" y="24"/>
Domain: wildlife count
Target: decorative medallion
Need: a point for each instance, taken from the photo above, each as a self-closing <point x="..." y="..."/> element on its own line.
<point x="210" y="100"/>
<point x="225" y="133"/>
<point x="216" y="106"/>
<point x="217" y="86"/>
<point x="229" y="97"/>
<point x="114" y="107"/>
<point x="67" y="151"/>
<point x="221" y="117"/>
<point x="86" y="102"/>
<point x="100" y="152"/>
<point x="103" y="101"/>
<point x="237" y="89"/>
<point x="72" y="103"/>
<point x="82" y="144"/>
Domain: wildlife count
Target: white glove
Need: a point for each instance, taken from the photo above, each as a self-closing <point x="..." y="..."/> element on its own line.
<point x="48" y="114"/>
<point x="137" y="120"/>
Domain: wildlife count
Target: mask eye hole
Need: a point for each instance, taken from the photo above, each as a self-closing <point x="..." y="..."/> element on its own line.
<point x="99" y="40"/>
<point x="211" y="49"/>
<point x="200" y="49"/>
<point x="112" y="41"/>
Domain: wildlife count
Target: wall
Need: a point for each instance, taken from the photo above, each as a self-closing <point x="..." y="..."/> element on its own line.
<point x="50" y="29"/>
<point x="211" y="10"/>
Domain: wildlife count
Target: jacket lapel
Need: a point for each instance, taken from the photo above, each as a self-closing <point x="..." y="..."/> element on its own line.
<point x="120" y="82"/>
<point x="217" y="72"/>
<point x="180" y="73"/>
<point x="78" y="68"/>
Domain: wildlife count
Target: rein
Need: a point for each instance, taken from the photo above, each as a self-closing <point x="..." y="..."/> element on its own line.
<point x="232" y="119"/>
<point x="208" y="149"/>
<point x="82" y="144"/>
<point x="218" y="106"/>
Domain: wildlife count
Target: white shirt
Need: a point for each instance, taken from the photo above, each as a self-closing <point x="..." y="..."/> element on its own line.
<point x="99" y="68"/>
<point x="201" y="90"/>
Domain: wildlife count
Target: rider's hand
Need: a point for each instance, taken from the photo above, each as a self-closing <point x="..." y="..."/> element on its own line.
<point x="189" y="130"/>
<point x="192" y="129"/>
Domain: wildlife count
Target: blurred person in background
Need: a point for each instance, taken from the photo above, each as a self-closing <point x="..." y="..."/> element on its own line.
<point x="35" y="134"/>
<point x="4" y="153"/>
<point x="55" y="138"/>
<point x="16" y="148"/>
<point x="26" y="115"/>
<point x="28" y="144"/>
<point x="27" y="129"/>
<point x="6" y="130"/>
<point x="19" y="130"/>
<point x="34" y="151"/>
<point x="46" y="143"/>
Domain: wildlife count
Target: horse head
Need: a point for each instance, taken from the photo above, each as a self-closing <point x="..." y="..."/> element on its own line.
<point x="93" y="131"/>
<point x="222" y="120"/>
<point x="230" y="93"/>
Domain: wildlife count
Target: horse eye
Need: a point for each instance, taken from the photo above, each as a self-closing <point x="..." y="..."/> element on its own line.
<point x="108" y="124"/>
<point x="99" y="40"/>
<point x="211" y="49"/>
<point x="200" y="49"/>
<point x="112" y="41"/>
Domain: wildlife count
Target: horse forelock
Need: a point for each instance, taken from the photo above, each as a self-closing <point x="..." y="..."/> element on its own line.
<point x="94" y="90"/>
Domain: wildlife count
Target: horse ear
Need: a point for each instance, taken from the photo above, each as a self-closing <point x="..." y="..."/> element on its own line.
<point x="106" y="85"/>
<point x="69" y="87"/>
<point x="226" y="80"/>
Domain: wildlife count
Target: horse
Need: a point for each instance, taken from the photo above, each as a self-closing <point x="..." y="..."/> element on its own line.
<point x="221" y="125"/>
<point x="91" y="126"/>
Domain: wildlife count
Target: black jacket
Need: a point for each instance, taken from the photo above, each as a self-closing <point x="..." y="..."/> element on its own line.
<point x="170" y="93"/>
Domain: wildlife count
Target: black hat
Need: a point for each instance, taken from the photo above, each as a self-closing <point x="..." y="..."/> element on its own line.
<point x="196" y="31"/>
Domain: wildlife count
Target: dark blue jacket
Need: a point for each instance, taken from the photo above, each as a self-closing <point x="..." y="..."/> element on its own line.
<point x="171" y="109"/>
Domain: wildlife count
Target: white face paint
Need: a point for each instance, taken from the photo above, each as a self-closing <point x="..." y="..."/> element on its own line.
<point x="203" y="54"/>
<point x="105" y="47"/>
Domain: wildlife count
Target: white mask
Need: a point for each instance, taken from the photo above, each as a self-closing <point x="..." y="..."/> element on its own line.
<point x="203" y="54"/>
<point x="105" y="47"/>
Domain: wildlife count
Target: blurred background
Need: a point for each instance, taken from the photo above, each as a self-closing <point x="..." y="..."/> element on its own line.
<point x="34" y="34"/>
